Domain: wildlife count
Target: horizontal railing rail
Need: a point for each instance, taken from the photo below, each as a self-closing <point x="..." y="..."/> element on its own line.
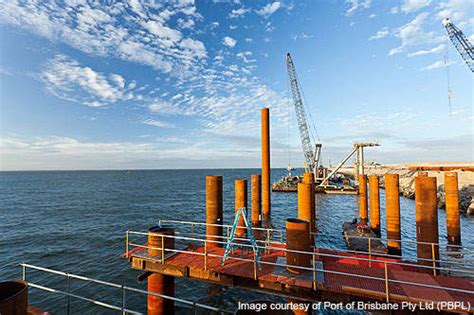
<point x="123" y="308"/>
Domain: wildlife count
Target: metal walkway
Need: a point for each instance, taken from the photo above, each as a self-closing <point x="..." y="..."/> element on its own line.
<point x="333" y="276"/>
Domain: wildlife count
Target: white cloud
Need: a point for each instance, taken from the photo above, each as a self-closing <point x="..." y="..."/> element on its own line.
<point x="237" y="13"/>
<point x="454" y="9"/>
<point x="394" y="10"/>
<point x="434" y="50"/>
<point x="269" y="9"/>
<point x="373" y="15"/>
<point x="229" y="41"/>
<point x="186" y="23"/>
<point x="380" y="34"/>
<point x="118" y="79"/>
<point x="146" y="38"/>
<point x="157" y="123"/>
<point x="67" y="79"/>
<point x="412" y="34"/>
<point x="356" y="5"/>
<point x="410" y="6"/>
<point x="302" y="36"/>
<point x="436" y="65"/>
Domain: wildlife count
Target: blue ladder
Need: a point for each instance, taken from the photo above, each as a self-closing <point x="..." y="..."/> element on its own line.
<point x="230" y="239"/>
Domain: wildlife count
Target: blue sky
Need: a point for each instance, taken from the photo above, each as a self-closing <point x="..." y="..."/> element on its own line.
<point x="180" y="84"/>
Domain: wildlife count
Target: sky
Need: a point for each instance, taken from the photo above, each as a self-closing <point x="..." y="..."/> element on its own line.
<point x="180" y="84"/>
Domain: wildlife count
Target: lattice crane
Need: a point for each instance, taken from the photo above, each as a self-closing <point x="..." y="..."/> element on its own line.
<point x="460" y="41"/>
<point x="311" y="153"/>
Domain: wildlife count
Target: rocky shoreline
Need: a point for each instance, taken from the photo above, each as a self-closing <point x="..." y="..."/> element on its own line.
<point x="407" y="184"/>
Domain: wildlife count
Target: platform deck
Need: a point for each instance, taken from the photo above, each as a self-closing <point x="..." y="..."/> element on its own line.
<point x="335" y="279"/>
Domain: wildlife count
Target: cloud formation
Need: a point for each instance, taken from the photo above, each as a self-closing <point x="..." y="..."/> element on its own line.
<point x="269" y="9"/>
<point x="145" y="38"/>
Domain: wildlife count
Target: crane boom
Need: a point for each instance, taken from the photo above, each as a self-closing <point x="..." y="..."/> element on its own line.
<point x="300" y="116"/>
<point x="460" y="41"/>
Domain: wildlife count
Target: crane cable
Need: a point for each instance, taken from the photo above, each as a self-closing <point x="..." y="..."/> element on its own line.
<point x="448" y="77"/>
<point x="313" y="125"/>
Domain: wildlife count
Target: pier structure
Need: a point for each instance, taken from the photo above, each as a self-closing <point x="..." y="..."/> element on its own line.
<point x="240" y="202"/>
<point x="214" y="209"/>
<point x="427" y="234"/>
<point x="374" y="192"/>
<point x="289" y="266"/>
<point x="266" y="183"/>
<point x="256" y="197"/>
<point x="453" y="225"/>
<point x="392" y="215"/>
<point x="363" y="207"/>
<point x="158" y="282"/>
<point x="288" y="263"/>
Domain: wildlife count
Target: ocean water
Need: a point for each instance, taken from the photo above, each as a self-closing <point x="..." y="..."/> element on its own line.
<point x="75" y="221"/>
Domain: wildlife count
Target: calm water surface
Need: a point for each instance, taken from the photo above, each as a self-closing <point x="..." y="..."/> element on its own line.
<point x="75" y="221"/>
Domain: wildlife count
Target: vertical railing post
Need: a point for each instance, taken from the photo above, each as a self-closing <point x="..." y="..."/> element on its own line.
<point x="23" y="267"/>
<point x="192" y="234"/>
<point x="269" y="235"/>
<point x="205" y="256"/>
<point x="386" y="283"/>
<point x="126" y="244"/>
<point x="314" y="272"/>
<point x="254" y="265"/>
<point x="162" y="249"/>
<point x="68" y="295"/>
<point x="124" y="307"/>
<point x="433" y="256"/>
<point x="370" y="252"/>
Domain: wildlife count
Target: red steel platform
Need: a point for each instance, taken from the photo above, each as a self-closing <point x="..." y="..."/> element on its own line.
<point x="335" y="276"/>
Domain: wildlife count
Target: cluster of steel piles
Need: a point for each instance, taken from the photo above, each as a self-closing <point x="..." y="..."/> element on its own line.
<point x="300" y="231"/>
<point x="426" y="212"/>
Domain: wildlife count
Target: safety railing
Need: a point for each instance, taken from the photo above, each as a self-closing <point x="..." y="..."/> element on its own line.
<point x="313" y="269"/>
<point x="454" y="256"/>
<point x="123" y="291"/>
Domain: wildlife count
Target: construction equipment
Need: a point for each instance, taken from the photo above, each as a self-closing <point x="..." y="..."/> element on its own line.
<point x="358" y="148"/>
<point x="460" y="41"/>
<point x="311" y="155"/>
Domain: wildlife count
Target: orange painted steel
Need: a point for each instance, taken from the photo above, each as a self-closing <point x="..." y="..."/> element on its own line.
<point x="426" y="221"/>
<point x="374" y="203"/>
<point x="214" y="210"/>
<point x="305" y="206"/>
<point x="256" y="195"/>
<point x="363" y="207"/>
<point x="156" y="240"/>
<point x="308" y="178"/>
<point x="158" y="283"/>
<point x="266" y="199"/>
<point x="452" y="207"/>
<point x="392" y="206"/>
<point x="240" y="202"/>
<point x="422" y="174"/>
<point x="297" y="238"/>
<point x="161" y="284"/>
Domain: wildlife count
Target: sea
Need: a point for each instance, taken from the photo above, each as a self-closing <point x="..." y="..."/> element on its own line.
<point x="75" y="221"/>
